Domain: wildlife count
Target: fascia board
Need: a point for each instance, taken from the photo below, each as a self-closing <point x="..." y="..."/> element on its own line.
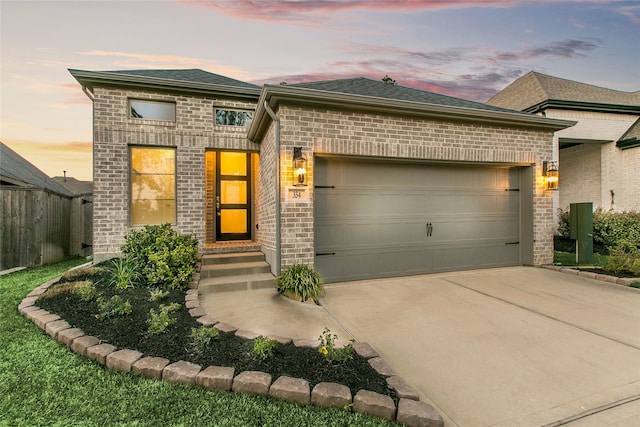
<point x="277" y="94"/>
<point x="97" y="78"/>
<point x="583" y="106"/>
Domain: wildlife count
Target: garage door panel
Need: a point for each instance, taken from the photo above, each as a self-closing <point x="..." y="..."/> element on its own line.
<point x="383" y="220"/>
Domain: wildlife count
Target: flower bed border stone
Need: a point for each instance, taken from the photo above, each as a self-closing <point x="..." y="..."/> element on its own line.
<point x="218" y="378"/>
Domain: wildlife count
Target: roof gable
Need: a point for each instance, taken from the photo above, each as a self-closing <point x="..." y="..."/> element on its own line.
<point x="535" y="91"/>
<point x="16" y="170"/>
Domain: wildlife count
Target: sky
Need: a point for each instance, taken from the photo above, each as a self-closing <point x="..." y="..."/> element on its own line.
<point x="470" y="49"/>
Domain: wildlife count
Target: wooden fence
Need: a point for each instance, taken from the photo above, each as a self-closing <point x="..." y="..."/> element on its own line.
<point x="40" y="227"/>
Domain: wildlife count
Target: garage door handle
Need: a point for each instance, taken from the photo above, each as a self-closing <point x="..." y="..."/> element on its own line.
<point x="324" y="186"/>
<point x="325" y="253"/>
<point x="429" y="229"/>
<point x="512" y="243"/>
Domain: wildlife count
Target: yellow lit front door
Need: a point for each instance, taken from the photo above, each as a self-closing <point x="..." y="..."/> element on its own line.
<point x="233" y="201"/>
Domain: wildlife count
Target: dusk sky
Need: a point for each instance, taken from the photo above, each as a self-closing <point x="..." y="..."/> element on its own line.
<point x="469" y="49"/>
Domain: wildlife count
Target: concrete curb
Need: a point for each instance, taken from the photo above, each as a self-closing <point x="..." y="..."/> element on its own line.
<point x="222" y="378"/>
<point x="613" y="280"/>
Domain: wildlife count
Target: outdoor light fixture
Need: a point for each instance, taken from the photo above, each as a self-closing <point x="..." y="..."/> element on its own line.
<point x="299" y="168"/>
<point x="550" y="172"/>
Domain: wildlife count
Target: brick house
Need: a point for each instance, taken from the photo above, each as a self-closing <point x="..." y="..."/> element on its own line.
<point x="359" y="178"/>
<point x="599" y="156"/>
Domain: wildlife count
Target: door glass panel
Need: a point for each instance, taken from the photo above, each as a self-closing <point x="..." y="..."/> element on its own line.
<point x="233" y="164"/>
<point x="233" y="192"/>
<point x="233" y="221"/>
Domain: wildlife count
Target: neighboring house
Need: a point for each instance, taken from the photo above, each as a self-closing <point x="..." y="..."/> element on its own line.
<point x="599" y="157"/>
<point x="36" y="211"/>
<point x="386" y="180"/>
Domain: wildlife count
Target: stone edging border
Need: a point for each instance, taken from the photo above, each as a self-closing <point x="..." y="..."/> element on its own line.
<point x="409" y="411"/>
<point x="591" y="275"/>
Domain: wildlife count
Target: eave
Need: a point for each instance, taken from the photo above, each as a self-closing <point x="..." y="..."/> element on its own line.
<point x="275" y="95"/>
<point x="91" y="79"/>
<point x="583" y="106"/>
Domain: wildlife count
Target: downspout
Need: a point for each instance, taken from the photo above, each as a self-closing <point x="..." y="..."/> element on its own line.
<point x="88" y="93"/>
<point x="276" y="120"/>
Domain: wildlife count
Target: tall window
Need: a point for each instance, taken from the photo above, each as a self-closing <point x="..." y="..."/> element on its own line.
<point x="152" y="110"/>
<point x="153" y="185"/>
<point x="233" y="117"/>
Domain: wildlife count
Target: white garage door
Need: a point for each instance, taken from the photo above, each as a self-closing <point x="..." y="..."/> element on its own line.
<point x="394" y="219"/>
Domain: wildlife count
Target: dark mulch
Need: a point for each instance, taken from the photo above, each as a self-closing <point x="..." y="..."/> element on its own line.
<point x="131" y="331"/>
<point x="625" y="274"/>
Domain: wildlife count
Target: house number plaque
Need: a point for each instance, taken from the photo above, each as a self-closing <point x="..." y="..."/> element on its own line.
<point x="297" y="194"/>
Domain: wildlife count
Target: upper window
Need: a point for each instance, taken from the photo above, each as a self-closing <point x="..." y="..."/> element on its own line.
<point x="153" y="185"/>
<point x="152" y="110"/>
<point x="233" y="117"/>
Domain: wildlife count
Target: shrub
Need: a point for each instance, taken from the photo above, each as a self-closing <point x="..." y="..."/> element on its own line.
<point x="160" y="321"/>
<point x="263" y="347"/>
<point x="114" y="306"/>
<point x="327" y="348"/>
<point x="609" y="227"/>
<point x="83" y="289"/>
<point x="201" y="337"/>
<point x="164" y="257"/>
<point x="624" y="257"/>
<point x="124" y="273"/>
<point x="76" y="273"/>
<point x="301" y="281"/>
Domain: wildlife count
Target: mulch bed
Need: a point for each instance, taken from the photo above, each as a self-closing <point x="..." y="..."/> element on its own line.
<point x="131" y="331"/>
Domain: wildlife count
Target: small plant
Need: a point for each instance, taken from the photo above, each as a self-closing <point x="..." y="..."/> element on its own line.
<point x="624" y="257"/>
<point x="157" y="295"/>
<point x="124" y="273"/>
<point x="301" y="281"/>
<point x="264" y="347"/>
<point x="160" y="321"/>
<point x="114" y="306"/>
<point x="201" y="337"/>
<point x="635" y="285"/>
<point x="85" y="290"/>
<point x="76" y="273"/>
<point x="327" y="347"/>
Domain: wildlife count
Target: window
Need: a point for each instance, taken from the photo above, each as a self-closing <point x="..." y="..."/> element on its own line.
<point x="153" y="185"/>
<point x="152" y="110"/>
<point x="233" y="118"/>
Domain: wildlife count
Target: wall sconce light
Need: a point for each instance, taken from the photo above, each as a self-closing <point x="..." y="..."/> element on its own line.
<point x="550" y="172"/>
<point x="299" y="168"/>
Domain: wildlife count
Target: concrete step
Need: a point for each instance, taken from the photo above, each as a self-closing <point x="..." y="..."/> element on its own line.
<point x="243" y="282"/>
<point x="231" y="258"/>
<point x="234" y="269"/>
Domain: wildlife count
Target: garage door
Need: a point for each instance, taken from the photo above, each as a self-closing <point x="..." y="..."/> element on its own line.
<point x="394" y="219"/>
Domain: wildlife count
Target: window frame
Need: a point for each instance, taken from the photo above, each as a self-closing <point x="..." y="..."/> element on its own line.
<point x="175" y="183"/>
<point x="151" y="101"/>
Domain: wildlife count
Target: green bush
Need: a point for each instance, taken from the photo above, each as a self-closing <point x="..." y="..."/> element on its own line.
<point x="301" y="281"/>
<point x="201" y="337"/>
<point x="624" y="257"/>
<point x="165" y="258"/>
<point x="609" y="227"/>
<point x="114" y="306"/>
<point x="160" y="321"/>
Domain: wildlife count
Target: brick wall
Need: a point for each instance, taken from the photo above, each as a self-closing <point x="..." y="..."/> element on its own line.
<point x="324" y="131"/>
<point x="192" y="134"/>
<point x="580" y="175"/>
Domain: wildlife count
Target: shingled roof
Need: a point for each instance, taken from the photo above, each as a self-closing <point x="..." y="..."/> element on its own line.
<point x="535" y="91"/>
<point x="377" y="88"/>
<point x="15" y="170"/>
<point x="194" y="75"/>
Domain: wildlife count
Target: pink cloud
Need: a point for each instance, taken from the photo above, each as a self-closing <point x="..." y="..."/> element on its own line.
<point x="294" y="12"/>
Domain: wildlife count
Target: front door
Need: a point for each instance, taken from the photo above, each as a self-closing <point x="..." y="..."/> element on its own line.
<point x="233" y="200"/>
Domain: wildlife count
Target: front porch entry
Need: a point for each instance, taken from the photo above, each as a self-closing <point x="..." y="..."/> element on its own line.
<point x="229" y="196"/>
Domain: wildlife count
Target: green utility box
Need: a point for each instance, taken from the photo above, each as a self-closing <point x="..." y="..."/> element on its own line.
<point x="581" y="230"/>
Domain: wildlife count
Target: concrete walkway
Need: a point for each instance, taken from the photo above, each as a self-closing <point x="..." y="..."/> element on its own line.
<point x="513" y="346"/>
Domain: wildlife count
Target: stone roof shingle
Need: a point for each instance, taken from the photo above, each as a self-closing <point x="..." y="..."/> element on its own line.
<point x="194" y="75"/>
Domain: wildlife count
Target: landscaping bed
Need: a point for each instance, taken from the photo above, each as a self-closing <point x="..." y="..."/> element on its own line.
<point x="98" y="314"/>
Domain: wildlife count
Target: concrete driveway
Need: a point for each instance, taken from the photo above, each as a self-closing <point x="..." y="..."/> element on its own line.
<point x="513" y="346"/>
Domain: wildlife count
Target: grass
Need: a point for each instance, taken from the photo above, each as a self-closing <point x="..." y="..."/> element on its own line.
<point x="44" y="384"/>
<point x="569" y="259"/>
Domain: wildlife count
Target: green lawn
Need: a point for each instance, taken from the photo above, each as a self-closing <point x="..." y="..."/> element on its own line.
<point x="569" y="259"/>
<point x="44" y="384"/>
